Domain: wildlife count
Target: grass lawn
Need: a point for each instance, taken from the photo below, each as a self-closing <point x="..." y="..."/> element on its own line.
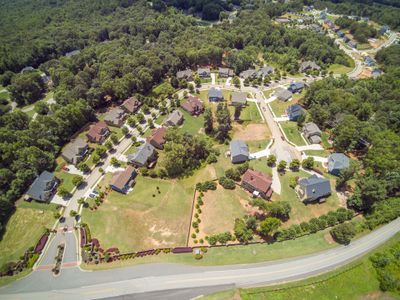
<point x="339" y="69"/>
<point x="24" y="229"/>
<point x="31" y="113"/>
<point x="235" y="255"/>
<point x="117" y="131"/>
<point x="301" y="212"/>
<point x="4" y="95"/>
<point x="66" y="180"/>
<point x="261" y="165"/>
<point x="191" y="124"/>
<point x="279" y="107"/>
<point x="321" y="153"/>
<point x="160" y="119"/>
<point x="355" y="281"/>
<point x="292" y="133"/>
<point x="268" y="93"/>
<point x="325" y="142"/>
<point x="250" y="114"/>
<point x="255" y="146"/>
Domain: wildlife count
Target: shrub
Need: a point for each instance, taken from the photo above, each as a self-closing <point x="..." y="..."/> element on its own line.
<point x="205" y="186"/>
<point x="227" y="183"/>
<point x="343" y="233"/>
<point x="198" y="256"/>
<point x="193" y="235"/>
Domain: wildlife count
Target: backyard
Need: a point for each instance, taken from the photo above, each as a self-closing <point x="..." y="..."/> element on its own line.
<point x="292" y="133"/>
<point x="191" y="124"/>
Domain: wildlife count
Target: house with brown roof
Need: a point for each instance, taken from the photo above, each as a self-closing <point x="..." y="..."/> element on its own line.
<point x="98" y="132"/>
<point x="157" y="138"/>
<point x="131" y="105"/>
<point x="257" y="183"/>
<point x="193" y="106"/>
<point x="122" y="181"/>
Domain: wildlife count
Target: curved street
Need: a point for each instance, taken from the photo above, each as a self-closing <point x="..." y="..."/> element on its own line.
<point x="171" y="278"/>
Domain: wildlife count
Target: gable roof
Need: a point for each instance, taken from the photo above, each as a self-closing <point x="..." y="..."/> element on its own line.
<point x="96" y="130"/>
<point x="284" y="94"/>
<point x="295" y="111"/>
<point x="315" y="187"/>
<point x="175" y="117"/>
<point x="215" y="93"/>
<point x="184" y="74"/>
<point x="248" y="73"/>
<point x="205" y="71"/>
<point x="193" y="104"/>
<point x="225" y="71"/>
<point x="38" y="188"/>
<point x="239" y="97"/>
<point x="257" y="180"/>
<point x="142" y="154"/>
<point x="306" y="65"/>
<point x="158" y="135"/>
<point x="131" y="104"/>
<point x="72" y="53"/>
<point x="238" y="147"/>
<point x="121" y="179"/>
<point x="338" y="161"/>
<point x="311" y="129"/>
<point x="115" y="115"/>
<point x="264" y="71"/>
<point x="74" y="148"/>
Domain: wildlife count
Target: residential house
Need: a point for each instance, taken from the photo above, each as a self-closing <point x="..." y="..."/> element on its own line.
<point x="204" y="72"/>
<point x="346" y="38"/>
<point x="384" y="29"/>
<point x="174" y="119"/>
<point x="28" y="69"/>
<point x="296" y="87"/>
<point x="323" y="15"/>
<point x="215" y="95"/>
<point x="312" y="133"/>
<point x="376" y="73"/>
<point x="309" y="65"/>
<point x="157" y="138"/>
<point x="337" y="162"/>
<point x="185" y="74"/>
<point x="75" y="151"/>
<point x="45" y="78"/>
<point x="257" y="183"/>
<point x="313" y="188"/>
<point x="193" y="106"/>
<point x="369" y="61"/>
<point x="115" y="117"/>
<point x="316" y="28"/>
<point x="145" y="156"/>
<point x="98" y="132"/>
<point x="352" y="44"/>
<point x="131" y="105"/>
<point x="340" y="34"/>
<point x="239" y="151"/>
<point x="123" y="180"/>
<point x="282" y="20"/>
<point x="239" y="98"/>
<point x="265" y="71"/>
<point x="248" y="74"/>
<point x="43" y="188"/>
<point x="225" y="72"/>
<point x="283" y="95"/>
<point x="294" y="112"/>
<point x="72" y="53"/>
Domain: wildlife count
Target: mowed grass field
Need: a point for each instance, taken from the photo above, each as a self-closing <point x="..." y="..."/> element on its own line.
<point x="147" y="217"/>
<point x="191" y="124"/>
<point x="24" y="229"/>
<point x="293" y="133"/>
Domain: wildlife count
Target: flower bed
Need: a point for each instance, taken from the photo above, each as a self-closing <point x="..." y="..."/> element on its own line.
<point x="83" y="237"/>
<point x="42" y="242"/>
<point x="182" y="250"/>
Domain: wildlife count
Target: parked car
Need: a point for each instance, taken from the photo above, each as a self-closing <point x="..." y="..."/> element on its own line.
<point x="91" y="195"/>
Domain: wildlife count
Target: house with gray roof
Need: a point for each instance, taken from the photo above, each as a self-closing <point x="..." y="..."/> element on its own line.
<point x="215" y="95"/>
<point x="313" y="188"/>
<point x="309" y="65"/>
<point x="294" y="112"/>
<point x="239" y="98"/>
<point x="337" y="162"/>
<point x="43" y="188"/>
<point x="115" y="117"/>
<point x="75" y="151"/>
<point x="283" y="94"/>
<point x="204" y="72"/>
<point x="185" y="74"/>
<point x="145" y="156"/>
<point x="312" y="133"/>
<point x="174" y="119"/>
<point x="225" y="72"/>
<point x="239" y="151"/>
<point x="248" y="74"/>
<point x="296" y="87"/>
<point x="265" y="71"/>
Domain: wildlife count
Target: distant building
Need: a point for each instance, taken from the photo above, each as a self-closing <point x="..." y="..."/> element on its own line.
<point x="145" y="156"/>
<point x="352" y="44"/>
<point x="323" y="15"/>
<point x="174" y="119"/>
<point x="313" y="188"/>
<point x="131" y="105"/>
<point x="204" y="72"/>
<point x="157" y="138"/>
<point x="115" y="117"/>
<point x="75" y="151"/>
<point x="376" y="73"/>
<point x="309" y="65"/>
<point x="225" y="72"/>
<point x="185" y="74"/>
<point x="340" y="34"/>
<point x="239" y="98"/>
<point x="284" y="95"/>
<point x="28" y="69"/>
<point x="72" y="53"/>
<point x="294" y="112"/>
<point x="296" y="87"/>
<point x="257" y="183"/>
<point x="384" y="29"/>
<point x="265" y="71"/>
<point x="193" y="106"/>
<point x="215" y="95"/>
<point x="122" y="181"/>
<point x="98" y="132"/>
<point x="239" y="151"/>
<point x="312" y="133"/>
<point x="337" y="162"/>
<point x="43" y="188"/>
<point x="369" y="61"/>
<point x="248" y="74"/>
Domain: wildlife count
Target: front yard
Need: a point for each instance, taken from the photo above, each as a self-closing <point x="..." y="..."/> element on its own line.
<point x="292" y="133"/>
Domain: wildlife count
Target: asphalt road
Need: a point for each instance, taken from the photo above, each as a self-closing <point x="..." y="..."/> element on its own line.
<point x="164" y="280"/>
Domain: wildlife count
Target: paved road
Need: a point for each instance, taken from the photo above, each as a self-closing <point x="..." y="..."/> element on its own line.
<point x="163" y="279"/>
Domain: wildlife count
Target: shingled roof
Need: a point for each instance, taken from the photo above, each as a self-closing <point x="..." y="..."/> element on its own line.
<point x="258" y="180"/>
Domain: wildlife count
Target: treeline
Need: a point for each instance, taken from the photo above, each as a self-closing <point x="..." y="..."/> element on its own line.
<point x="360" y="30"/>
<point x="382" y="14"/>
<point x="363" y="117"/>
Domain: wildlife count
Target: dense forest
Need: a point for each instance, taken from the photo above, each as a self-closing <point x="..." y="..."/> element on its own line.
<point x="381" y="11"/>
<point x="364" y="118"/>
<point x="127" y="47"/>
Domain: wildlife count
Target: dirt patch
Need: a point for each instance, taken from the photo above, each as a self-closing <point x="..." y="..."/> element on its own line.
<point x="251" y="132"/>
<point x="366" y="73"/>
<point x="329" y="238"/>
